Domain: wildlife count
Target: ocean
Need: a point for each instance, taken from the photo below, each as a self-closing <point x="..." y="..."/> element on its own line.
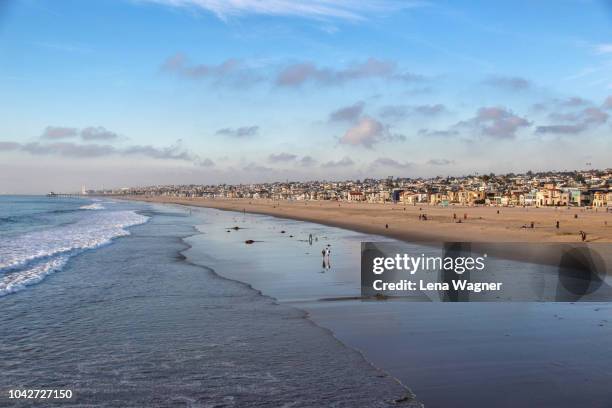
<point x="133" y="304"/>
<point x="99" y="299"/>
<point x="40" y="235"/>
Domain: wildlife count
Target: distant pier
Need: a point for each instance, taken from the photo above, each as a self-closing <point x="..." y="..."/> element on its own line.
<point x="65" y="195"/>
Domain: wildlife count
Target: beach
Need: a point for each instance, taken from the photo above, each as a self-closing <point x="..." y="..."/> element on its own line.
<point x="176" y="309"/>
<point x="478" y="224"/>
<point x="448" y="354"/>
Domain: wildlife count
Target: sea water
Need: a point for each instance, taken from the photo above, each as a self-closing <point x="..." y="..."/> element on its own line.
<point x="39" y="235"/>
<point x="126" y="320"/>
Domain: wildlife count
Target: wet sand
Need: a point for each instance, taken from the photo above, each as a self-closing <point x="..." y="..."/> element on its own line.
<point x="483" y="224"/>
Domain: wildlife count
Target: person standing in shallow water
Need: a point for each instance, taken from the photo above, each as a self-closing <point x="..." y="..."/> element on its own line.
<point x="328" y="257"/>
<point x="326" y="254"/>
<point x="323" y="256"/>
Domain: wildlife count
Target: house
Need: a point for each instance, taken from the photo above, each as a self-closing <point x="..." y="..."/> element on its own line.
<point x="602" y="198"/>
<point x="552" y="196"/>
<point x="355" y="196"/>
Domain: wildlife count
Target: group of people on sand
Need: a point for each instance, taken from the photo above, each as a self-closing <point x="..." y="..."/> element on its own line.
<point x="325" y="253"/>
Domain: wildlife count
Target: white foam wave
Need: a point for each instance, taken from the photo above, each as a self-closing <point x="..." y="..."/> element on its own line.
<point x="16" y="281"/>
<point x="90" y="232"/>
<point x="94" y="206"/>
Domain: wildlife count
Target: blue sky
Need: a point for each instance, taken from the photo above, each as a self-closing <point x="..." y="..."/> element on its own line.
<point x="131" y="92"/>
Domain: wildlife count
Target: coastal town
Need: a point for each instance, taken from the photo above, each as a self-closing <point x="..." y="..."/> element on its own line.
<point x="589" y="188"/>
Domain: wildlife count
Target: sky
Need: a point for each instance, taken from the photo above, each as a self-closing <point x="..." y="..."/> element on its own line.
<point x="117" y="93"/>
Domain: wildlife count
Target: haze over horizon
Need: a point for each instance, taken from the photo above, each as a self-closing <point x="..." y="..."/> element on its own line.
<point x="141" y="92"/>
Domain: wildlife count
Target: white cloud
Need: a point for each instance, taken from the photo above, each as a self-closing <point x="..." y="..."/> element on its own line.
<point x="352" y="10"/>
<point x="367" y="132"/>
<point x="603" y="48"/>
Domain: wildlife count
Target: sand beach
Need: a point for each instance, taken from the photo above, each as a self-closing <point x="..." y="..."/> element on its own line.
<point x="453" y="223"/>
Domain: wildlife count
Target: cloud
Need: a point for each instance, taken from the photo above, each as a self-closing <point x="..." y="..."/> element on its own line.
<point x="508" y="82"/>
<point x="366" y="132"/>
<point x="496" y="122"/>
<point x="398" y="112"/>
<point x="440" y="162"/>
<point x="429" y="110"/>
<point x="307" y="161"/>
<point x="607" y="103"/>
<point x="344" y="162"/>
<point x="174" y="152"/>
<point x="237" y="73"/>
<point x="352" y="10"/>
<point x="92" y="150"/>
<point x="241" y="132"/>
<point x="59" y="132"/>
<point x="98" y="133"/>
<point x="232" y="71"/>
<point x="257" y="168"/>
<point x="281" y="157"/>
<point x="395" y="111"/>
<point x="178" y="64"/>
<point x="574" y="101"/>
<point x="8" y="146"/>
<point x="68" y="149"/>
<point x="369" y="131"/>
<point x="206" y="162"/>
<point x="560" y="129"/>
<point x="348" y="113"/>
<point x="91" y="133"/>
<point x="603" y="48"/>
<point x="298" y="74"/>
<point x="438" y="133"/>
<point x="388" y="162"/>
<point x="575" y="122"/>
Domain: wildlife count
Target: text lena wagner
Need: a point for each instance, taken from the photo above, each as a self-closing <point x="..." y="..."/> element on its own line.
<point x="408" y="285"/>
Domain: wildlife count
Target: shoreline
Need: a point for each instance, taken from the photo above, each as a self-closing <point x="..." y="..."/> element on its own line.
<point x="403" y="222"/>
<point x="484" y="225"/>
<point x="433" y="327"/>
<point x="408" y="399"/>
<point x="149" y="312"/>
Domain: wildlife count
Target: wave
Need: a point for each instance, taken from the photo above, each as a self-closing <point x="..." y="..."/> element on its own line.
<point x="94" y="206"/>
<point x="28" y="258"/>
<point x="19" y="280"/>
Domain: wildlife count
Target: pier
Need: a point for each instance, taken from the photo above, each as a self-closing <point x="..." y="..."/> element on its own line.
<point x="66" y="195"/>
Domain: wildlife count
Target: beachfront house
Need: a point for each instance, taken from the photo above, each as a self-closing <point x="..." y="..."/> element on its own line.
<point x="355" y="196"/>
<point x="549" y="195"/>
<point x="408" y="198"/>
<point x="602" y="198"/>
